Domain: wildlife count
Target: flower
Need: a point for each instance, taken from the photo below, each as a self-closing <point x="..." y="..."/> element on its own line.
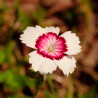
<point x="51" y="49"/>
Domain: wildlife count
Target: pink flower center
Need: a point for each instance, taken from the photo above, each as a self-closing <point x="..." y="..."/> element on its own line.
<point x="51" y="46"/>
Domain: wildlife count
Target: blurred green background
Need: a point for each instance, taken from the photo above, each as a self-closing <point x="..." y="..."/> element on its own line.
<point x="16" y="79"/>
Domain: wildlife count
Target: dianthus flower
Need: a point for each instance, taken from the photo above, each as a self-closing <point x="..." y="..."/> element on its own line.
<point x="51" y="49"/>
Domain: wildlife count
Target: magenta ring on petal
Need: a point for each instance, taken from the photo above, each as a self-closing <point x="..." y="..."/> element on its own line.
<point x="51" y="46"/>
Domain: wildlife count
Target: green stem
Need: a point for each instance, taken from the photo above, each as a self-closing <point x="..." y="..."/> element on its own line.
<point x="50" y="83"/>
<point x="70" y="87"/>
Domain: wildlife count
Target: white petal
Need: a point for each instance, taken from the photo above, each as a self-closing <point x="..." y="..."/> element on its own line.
<point x="48" y="66"/>
<point x="72" y="42"/>
<point x="36" y="60"/>
<point x="41" y="64"/>
<point x="66" y="64"/>
<point x="52" y="29"/>
<point x="30" y="35"/>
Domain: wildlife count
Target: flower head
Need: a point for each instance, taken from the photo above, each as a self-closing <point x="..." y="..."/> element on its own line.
<point x="52" y="50"/>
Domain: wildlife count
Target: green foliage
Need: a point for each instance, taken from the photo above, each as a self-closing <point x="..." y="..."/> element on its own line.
<point x="17" y="96"/>
<point x="25" y="20"/>
<point x="2" y="56"/>
<point x="79" y="95"/>
<point x="90" y="94"/>
<point x="70" y="16"/>
<point x="6" y="52"/>
<point x="1" y="20"/>
<point x="3" y="8"/>
<point x="39" y="15"/>
<point x="50" y="95"/>
<point x="21" y="16"/>
<point x="88" y="3"/>
<point x="69" y="95"/>
<point x="15" y="81"/>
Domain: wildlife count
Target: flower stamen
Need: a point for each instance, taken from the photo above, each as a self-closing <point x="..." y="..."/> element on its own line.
<point x="50" y="49"/>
